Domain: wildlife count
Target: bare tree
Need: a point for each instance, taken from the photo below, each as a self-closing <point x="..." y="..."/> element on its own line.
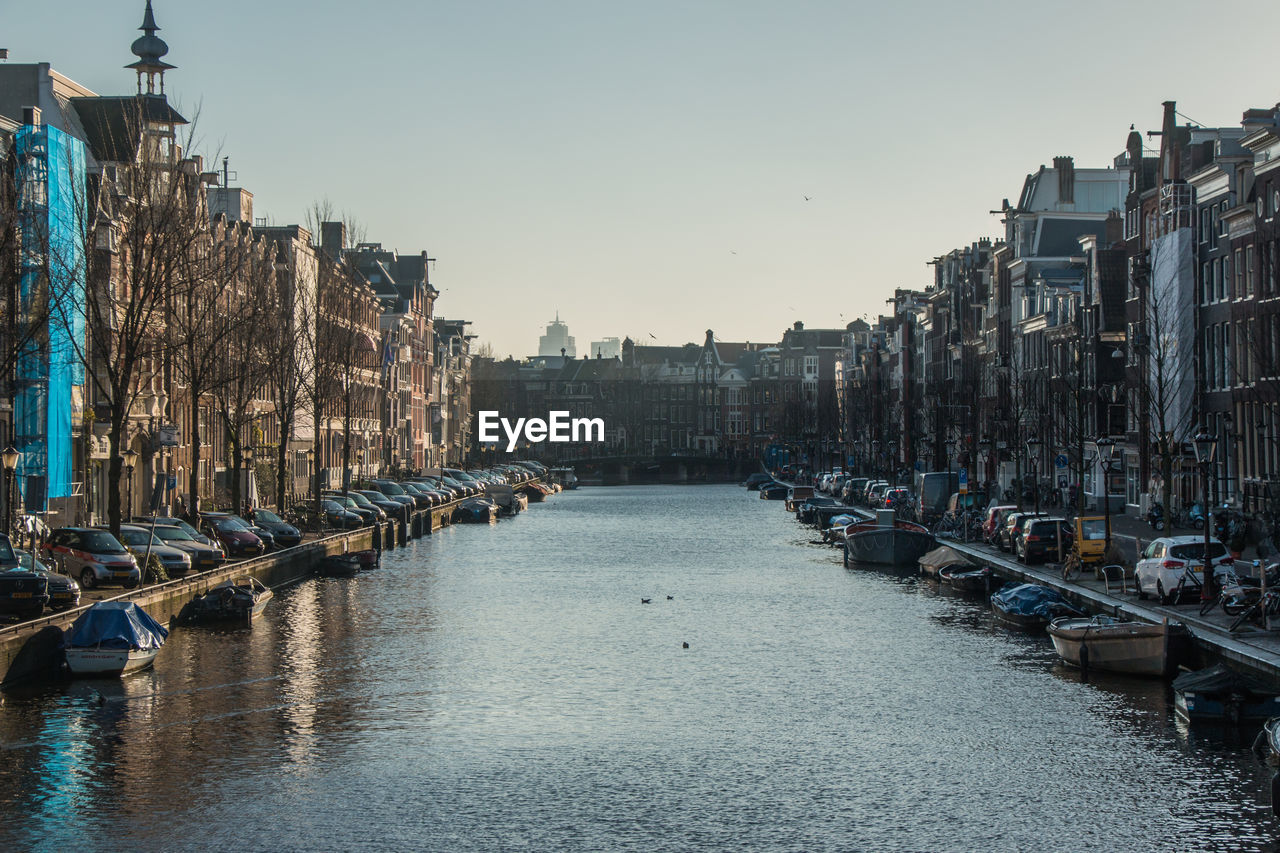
<point x="144" y="225"/>
<point x="245" y="336"/>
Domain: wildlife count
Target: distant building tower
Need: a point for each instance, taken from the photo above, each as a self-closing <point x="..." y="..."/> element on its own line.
<point x="149" y="48"/>
<point x="607" y="348"/>
<point x="557" y="340"/>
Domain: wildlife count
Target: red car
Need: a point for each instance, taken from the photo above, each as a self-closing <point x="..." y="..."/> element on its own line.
<point x="994" y="518"/>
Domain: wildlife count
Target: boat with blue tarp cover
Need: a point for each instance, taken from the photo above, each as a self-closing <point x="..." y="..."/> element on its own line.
<point x="1029" y="606"/>
<point x="113" y="638"/>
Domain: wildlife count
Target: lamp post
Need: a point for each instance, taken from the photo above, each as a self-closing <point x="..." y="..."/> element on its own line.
<point x="1106" y="447"/>
<point x="1033" y="462"/>
<point x="950" y="446"/>
<point x="875" y="457"/>
<point x="248" y="472"/>
<point x="893" y="462"/>
<point x="984" y="447"/>
<point x="1205" y="445"/>
<point x="10" y="458"/>
<point x="130" y="458"/>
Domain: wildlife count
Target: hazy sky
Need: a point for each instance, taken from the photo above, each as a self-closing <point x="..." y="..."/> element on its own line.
<point x="643" y="167"/>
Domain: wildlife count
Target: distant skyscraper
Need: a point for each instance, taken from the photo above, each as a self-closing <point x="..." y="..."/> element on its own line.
<point x="556" y="339"/>
<point x="607" y="348"/>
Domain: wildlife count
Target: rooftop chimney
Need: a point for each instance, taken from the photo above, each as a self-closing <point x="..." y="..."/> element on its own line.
<point x="31" y="116"/>
<point x="1066" y="169"/>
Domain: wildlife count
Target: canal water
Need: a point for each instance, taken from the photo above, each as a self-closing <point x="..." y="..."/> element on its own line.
<point x="504" y="688"/>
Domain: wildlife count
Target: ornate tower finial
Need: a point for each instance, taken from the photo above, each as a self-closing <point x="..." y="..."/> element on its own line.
<point x="149" y="49"/>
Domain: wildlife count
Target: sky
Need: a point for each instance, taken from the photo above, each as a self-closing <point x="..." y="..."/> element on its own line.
<point x="662" y="168"/>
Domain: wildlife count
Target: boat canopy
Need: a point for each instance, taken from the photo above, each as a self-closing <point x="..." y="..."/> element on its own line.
<point x="116" y="625"/>
<point x="1029" y="599"/>
<point x="944" y="555"/>
<point x="1219" y="679"/>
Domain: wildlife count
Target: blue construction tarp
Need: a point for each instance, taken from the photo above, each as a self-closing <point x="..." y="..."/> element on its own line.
<point x="52" y="210"/>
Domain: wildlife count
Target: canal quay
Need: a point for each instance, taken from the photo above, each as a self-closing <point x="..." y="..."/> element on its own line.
<point x="32" y="649"/>
<point x="502" y="687"/>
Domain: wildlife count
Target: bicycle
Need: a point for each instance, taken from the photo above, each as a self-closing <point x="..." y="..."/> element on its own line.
<point x="1266" y="605"/>
<point x="1234" y="598"/>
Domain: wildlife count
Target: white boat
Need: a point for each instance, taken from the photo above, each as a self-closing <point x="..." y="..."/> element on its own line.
<point x="113" y="638"/>
<point x="109" y="662"/>
<point x="1112" y="645"/>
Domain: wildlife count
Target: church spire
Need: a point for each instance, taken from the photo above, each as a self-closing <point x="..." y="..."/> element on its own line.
<point x="149" y="49"/>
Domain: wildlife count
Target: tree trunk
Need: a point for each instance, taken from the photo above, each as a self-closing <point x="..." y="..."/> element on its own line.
<point x="114" y="465"/>
<point x="193" y="475"/>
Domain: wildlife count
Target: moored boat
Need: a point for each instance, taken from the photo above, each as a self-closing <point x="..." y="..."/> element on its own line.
<point x="967" y="580"/>
<point x="240" y="600"/>
<point x="1222" y="695"/>
<point x="338" y="566"/>
<point x="901" y="544"/>
<point x="1029" y="606"/>
<point x="773" y="492"/>
<point x="1113" y="645"/>
<point x="113" y="638"/>
<point x="944" y="555"/>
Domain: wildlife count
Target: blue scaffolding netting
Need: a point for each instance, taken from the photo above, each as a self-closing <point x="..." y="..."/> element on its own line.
<point x="52" y="211"/>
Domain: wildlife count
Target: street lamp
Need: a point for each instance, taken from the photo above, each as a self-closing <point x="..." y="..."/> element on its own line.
<point x="1033" y="462"/>
<point x="1205" y="445"/>
<point x="10" y="458"/>
<point x="893" y="461"/>
<point x="875" y="457"/>
<point x="1106" y="447"/>
<point x="984" y="447"/>
<point x="950" y="446"/>
<point x="130" y="458"/>
<point x="248" y="464"/>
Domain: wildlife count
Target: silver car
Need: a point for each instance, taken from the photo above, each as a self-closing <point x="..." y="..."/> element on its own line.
<point x="138" y="539"/>
<point x="203" y="556"/>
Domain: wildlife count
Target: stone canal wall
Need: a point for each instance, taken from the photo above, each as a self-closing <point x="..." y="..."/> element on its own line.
<point x="31" y="649"/>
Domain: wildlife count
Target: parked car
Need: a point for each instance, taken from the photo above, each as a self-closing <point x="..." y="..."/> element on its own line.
<point x="64" y="592"/>
<point x="139" y="539"/>
<point x="994" y="517"/>
<point x="1006" y="538"/>
<point x="234" y="537"/>
<point x="173" y="521"/>
<point x="268" y="541"/>
<point x="23" y="592"/>
<point x="853" y="488"/>
<point x="1038" y="538"/>
<point x="896" y="497"/>
<point x="92" y="556"/>
<point x="203" y="556"/>
<point x="1164" y="563"/>
<point x="392" y="507"/>
<point x="393" y="490"/>
<point x="347" y="502"/>
<point x="875" y="494"/>
<point x="284" y="533"/>
<point x="336" y="515"/>
<point x="361" y="501"/>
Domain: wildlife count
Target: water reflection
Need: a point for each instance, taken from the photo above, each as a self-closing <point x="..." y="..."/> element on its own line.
<point x="495" y="687"/>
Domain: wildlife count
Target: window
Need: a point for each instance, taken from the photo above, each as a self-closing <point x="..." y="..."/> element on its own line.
<point x="1248" y="273"/>
<point x="1222" y="223"/>
<point x="1216" y="292"/>
<point x="1205" y="279"/>
<point x="1239" y="268"/>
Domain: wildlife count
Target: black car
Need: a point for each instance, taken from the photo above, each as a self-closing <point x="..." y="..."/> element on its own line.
<point x="64" y="592"/>
<point x="284" y="533"/>
<point x="392" y="507"/>
<point x="268" y="541"/>
<point x="22" y="592"/>
<point x="367" y="515"/>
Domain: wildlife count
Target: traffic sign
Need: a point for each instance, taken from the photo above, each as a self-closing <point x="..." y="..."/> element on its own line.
<point x="964" y="481"/>
<point x="1060" y="460"/>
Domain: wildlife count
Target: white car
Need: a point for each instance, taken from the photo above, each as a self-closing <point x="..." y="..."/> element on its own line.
<point x="1171" y="566"/>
